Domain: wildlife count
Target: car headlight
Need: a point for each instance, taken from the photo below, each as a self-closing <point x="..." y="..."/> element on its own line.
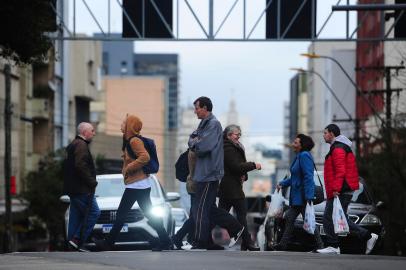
<point x="370" y="219"/>
<point x="158" y="211"/>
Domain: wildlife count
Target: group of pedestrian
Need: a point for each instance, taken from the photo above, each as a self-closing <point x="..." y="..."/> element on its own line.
<point x="80" y="183"/>
<point x="340" y="180"/>
<point x="217" y="167"/>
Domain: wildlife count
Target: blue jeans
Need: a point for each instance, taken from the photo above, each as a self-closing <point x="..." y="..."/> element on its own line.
<point x="83" y="214"/>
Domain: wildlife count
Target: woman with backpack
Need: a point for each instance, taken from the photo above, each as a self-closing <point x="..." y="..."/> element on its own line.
<point x="302" y="187"/>
<point x="137" y="187"/>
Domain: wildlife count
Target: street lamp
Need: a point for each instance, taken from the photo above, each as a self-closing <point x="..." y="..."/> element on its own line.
<point x="301" y="70"/>
<point x="316" y="56"/>
<point x="350" y="119"/>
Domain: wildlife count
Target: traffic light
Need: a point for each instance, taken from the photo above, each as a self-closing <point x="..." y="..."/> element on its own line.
<point x="146" y="18"/>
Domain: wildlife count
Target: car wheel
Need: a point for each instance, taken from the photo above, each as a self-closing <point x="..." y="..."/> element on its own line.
<point x="273" y="233"/>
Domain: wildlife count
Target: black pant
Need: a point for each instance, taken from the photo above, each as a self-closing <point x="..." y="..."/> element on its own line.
<point x="187" y="227"/>
<point x="240" y="209"/>
<point x="141" y="196"/>
<point x="290" y="217"/>
<point x="206" y="213"/>
<point x="331" y="237"/>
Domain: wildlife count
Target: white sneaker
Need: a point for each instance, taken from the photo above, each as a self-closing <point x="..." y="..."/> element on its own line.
<point x="234" y="239"/>
<point x="371" y="243"/>
<point x="329" y="250"/>
<point x="186" y="246"/>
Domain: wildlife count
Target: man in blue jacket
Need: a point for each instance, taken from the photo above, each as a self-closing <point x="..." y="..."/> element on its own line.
<point x="207" y="144"/>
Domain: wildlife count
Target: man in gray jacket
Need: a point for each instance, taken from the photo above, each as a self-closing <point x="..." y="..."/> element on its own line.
<point x="207" y="143"/>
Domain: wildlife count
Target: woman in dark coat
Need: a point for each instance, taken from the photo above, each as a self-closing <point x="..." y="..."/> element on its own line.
<point x="231" y="192"/>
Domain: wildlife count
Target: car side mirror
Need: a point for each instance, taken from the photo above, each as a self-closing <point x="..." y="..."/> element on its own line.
<point x="172" y="196"/>
<point x="64" y="199"/>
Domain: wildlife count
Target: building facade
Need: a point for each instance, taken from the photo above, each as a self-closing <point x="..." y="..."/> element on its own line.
<point x="143" y="96"/>
<point x="120" y="61"/>
<point x="323" y="108"/>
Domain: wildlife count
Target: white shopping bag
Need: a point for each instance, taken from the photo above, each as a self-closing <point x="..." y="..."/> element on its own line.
<point x="261" y="238"/>
<point x="276" y="207"/>
<point x="309" y="224"/>
<point x="339" y="219"/>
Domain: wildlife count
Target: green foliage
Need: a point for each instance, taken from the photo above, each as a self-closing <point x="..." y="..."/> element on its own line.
<point x="385" y="173"/>
<point x="44" y="187"/>
<point x="22" y="27"/>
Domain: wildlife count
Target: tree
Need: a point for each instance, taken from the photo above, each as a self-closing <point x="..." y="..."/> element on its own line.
<point x="23" y="27"/>
<point x="44" y="187"/>
<point x="385" y="173"/>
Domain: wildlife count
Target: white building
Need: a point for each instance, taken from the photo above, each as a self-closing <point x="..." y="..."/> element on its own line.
<point x="323" y="107"/>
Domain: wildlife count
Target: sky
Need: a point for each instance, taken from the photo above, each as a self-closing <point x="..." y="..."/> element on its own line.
<point x="255" y="74"/>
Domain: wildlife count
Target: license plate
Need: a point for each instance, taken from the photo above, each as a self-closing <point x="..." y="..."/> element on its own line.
<point x="107" y="228"/>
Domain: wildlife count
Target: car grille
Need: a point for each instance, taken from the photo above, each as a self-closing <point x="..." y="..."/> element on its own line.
<point x="353" y="218"/>
<point x="109" y="216"/>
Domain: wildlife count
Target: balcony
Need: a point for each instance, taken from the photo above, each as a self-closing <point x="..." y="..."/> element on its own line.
<point x="40" y="108"/>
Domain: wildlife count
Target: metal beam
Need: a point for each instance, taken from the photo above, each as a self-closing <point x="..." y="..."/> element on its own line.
<point x="208" y="33"/>
<point x="376" y="7"/>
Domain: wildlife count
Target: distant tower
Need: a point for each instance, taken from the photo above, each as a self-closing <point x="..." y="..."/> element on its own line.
<point x="232" y="114"/>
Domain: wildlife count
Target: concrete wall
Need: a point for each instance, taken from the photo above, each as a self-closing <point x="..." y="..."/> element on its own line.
<point x="85" y="64"/>
<point x="21" y="132"/>
<point x="319" y="99"/>
<point x="144" y="97"/>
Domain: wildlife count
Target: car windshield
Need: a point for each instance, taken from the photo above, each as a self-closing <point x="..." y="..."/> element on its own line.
<point x="114" y="187"/>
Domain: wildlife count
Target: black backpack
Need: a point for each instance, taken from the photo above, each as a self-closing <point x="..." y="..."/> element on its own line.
<point x="182" y="166"/>
<point x="153" y="165"/>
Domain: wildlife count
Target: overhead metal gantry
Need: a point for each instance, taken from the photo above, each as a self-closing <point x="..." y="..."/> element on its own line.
<point x="249" y="24"/>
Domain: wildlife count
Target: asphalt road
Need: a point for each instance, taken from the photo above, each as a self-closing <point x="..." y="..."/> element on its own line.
<point x="195" y="260"/>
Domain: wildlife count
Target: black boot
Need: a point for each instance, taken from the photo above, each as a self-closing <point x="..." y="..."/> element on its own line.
<point x="177" y="242"/>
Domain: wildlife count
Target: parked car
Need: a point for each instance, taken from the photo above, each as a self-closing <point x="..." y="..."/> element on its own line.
<point x="180" y="216"/>
<point x="136" y="230"/>
<point x="362" y="211"/>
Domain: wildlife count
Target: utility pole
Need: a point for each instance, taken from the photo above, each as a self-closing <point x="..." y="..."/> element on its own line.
<point x="388" y="98"/>
<point x="7" y="159"/>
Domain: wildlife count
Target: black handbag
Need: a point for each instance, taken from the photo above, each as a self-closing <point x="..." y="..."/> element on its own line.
<point x="318" y="190"/>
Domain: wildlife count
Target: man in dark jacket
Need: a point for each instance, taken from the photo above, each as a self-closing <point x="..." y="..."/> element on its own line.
<point x="341" y="180"/>
<point x="80" y="184"/>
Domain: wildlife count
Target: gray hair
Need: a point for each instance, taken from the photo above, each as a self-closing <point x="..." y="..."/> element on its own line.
<point x="82" y="127"/>
<point x="230" y="129"/>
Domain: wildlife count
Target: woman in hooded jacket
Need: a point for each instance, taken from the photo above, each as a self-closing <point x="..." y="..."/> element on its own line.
<point x="231" y="192"/>
<point x="137" y="188"/>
